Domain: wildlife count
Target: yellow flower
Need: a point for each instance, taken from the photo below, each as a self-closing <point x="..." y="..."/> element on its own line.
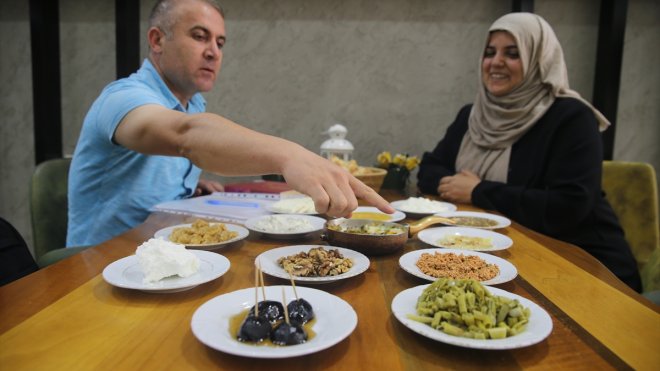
<point x="412" y="162"/>
<point x="384" y="159"/>
<point x="399" y="160"/>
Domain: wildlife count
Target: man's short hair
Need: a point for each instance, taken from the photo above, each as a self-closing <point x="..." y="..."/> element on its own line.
<point x="161" y="14"/>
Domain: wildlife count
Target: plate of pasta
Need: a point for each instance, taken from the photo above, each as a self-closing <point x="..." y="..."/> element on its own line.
<point x="203" y="235"/>
<point x="537" y="327"/>
<point x="432" y="264"/>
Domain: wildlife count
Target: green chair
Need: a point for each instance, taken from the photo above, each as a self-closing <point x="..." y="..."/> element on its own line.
<point x="631" y="188"/>
<point x="651" y="278"/>
<point x="48" y="211"/>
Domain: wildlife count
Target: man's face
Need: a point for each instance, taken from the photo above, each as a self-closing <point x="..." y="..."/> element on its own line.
<point x="191" y="53"/>
<point x="501" y="67"/>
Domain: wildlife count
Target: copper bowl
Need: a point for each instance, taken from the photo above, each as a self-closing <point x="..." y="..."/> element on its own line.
<point x="371" y="244"/>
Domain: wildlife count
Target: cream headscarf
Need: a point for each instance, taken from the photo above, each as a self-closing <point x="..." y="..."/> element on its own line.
<point x="496" y="123"/>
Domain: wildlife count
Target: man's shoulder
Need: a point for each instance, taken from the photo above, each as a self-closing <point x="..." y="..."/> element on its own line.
<point x="129" y="84"/>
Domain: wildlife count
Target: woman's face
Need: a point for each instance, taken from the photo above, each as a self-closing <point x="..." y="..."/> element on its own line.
<point x="501" y="67"/>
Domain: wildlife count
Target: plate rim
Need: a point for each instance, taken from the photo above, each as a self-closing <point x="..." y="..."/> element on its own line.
<point x="415" y="271"/>
<point x="542" y="320"/>
<point x="319" y="280"/>
<point x="243" y="233"/>
<point x="422" y="237"/>
<point x="410" y="212"/>
<point x="505" y="222"/>
<point x="311" y="217"/>
<point x="350" y="316"/>
<point x="216" y="260"/>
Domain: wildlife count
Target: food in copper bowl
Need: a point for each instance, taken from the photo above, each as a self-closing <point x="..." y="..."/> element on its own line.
<point x="373" y="237"/>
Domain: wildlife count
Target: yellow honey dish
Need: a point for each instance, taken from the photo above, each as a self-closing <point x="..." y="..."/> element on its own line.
<point x="371" y="216"/>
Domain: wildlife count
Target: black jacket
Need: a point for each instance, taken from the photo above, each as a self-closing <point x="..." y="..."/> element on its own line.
<point x="553" y="184"/>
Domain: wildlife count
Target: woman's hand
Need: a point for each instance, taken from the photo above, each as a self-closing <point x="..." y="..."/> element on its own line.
<point x="205" y="187"/>
<point x="458" y="188"/>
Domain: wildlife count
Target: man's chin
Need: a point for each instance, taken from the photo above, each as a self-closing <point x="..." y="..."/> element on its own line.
<point x="205" y="86"/>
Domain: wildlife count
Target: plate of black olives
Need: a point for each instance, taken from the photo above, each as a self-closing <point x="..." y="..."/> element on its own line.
<point x="287" y="321"/>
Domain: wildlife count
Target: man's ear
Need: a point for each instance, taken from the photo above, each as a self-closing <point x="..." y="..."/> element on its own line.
<point x="155" y="38"/>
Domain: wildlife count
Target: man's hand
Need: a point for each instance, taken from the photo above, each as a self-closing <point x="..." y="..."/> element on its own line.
<point x="458" y="188"/>
<point x="334" y="190"/>
<point x="205" y="187"/>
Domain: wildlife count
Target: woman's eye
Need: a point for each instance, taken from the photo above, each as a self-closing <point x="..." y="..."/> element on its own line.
<point x="489" y="53"/>
<point x="513" y="54"/>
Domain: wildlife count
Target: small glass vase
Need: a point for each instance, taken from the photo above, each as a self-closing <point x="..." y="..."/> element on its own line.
<point x="396" y="178"/>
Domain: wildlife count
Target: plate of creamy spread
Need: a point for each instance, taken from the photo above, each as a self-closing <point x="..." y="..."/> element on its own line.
<point x="285" y="226"/>
<point x="162" y="266"/>
<point x="461" y="238"/>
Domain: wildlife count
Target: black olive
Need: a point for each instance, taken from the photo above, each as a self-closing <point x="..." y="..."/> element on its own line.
<point x="300" y="311"/>
<point x="272" y="310"/>
<point x="288" y="334"/>
<point x="254" y="329"/>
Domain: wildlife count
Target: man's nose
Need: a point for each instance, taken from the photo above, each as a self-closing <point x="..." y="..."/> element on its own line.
<point x="212" y="52"/>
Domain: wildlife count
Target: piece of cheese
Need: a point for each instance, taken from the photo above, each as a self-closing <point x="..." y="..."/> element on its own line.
<point x="159" y="259"/>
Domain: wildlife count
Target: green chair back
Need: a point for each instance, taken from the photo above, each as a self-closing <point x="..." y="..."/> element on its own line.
<point x="631" y="188"/>
<point x="651" y="273"/>
<point x="49" y="205"/>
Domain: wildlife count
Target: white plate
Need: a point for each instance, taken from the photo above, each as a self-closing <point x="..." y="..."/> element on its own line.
<point x="126" y="273"/>
<point x="507" y="270"/>
<point x="502" y="222"/>
<point x="316" y="224"/>
<point x="242" y="233"/>
<point x="268" y="261"/>
<point x="538" y="328"/>
<point x="397" y="216"/>
<point x="432" y="236"/>
<point x="419" y="214"/>
<point x="335" y="320"/>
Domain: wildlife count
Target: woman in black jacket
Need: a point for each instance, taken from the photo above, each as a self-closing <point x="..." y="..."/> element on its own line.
<point x="530" y="148"/>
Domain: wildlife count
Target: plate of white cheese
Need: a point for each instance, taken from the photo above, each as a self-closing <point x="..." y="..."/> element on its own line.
<point x="293" y="205"/>
<point x="162" y="266"/>
<point x="285" y="226"/>
<point x="419" y="207"/>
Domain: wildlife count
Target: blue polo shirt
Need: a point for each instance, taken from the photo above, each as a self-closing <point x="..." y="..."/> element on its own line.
<point x="111" y="188"/>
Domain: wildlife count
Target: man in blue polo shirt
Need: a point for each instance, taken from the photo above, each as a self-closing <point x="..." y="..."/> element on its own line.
<point x="146" y="137"/>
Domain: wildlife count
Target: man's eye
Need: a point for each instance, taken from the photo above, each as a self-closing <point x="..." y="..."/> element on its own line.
<point x="198" y="36"/>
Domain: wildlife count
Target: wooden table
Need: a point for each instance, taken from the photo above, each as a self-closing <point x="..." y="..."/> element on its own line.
<point x="67" y="317"/>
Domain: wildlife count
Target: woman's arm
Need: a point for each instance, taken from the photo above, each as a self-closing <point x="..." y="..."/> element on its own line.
<point x="441" y="162"/>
